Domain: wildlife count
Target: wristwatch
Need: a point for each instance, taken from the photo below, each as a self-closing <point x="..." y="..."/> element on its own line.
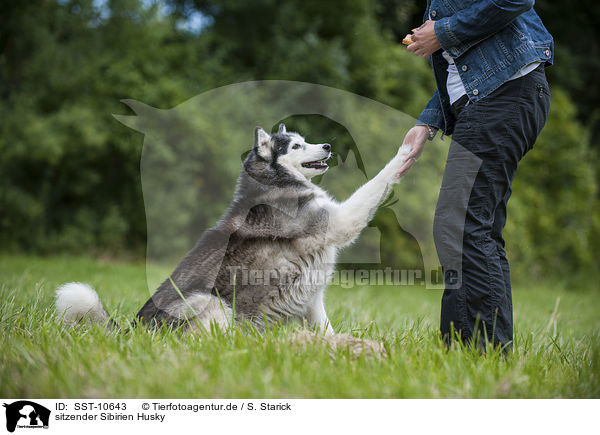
<point x="432" y="132"/>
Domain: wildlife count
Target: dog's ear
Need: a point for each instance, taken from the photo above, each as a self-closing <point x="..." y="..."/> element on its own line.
<point x="261" y="137"/>
<point x="282" y="129"/>
<point x="262" y="141"/>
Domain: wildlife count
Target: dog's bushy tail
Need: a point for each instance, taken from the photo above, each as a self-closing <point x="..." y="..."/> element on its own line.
<point x="77" y="302"/>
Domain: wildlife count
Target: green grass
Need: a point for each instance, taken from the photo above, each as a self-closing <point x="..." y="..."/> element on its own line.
<point x="556" y="353"/>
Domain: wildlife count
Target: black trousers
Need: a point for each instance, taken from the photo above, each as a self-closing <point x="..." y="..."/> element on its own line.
<point x="490" y="138"/>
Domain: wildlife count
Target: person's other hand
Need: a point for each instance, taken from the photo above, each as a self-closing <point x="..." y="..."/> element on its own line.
<point x="416" y="138"/>
<point x="425" y="42"/>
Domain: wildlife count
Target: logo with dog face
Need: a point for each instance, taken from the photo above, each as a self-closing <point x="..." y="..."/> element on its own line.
<point x="191" y="161"/>
<point x="26" y="414"/>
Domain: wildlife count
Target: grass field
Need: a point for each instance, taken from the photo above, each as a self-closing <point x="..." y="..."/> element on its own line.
<point x="556" y="354"/>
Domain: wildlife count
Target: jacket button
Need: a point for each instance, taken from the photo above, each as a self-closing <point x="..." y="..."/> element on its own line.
<point x="547" y="52"/>
<point x="464" y="67"/>
<point x="433" y="13"/>
<point x="475" y="91"/>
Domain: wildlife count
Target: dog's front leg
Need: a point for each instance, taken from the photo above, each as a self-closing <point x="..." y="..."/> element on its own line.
<point x="316" y="316"/>
<point x="349" y="218"/>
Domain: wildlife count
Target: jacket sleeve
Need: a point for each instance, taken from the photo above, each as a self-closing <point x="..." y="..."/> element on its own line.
<point x="432" y="114"/>
<point x="459" y="32"/>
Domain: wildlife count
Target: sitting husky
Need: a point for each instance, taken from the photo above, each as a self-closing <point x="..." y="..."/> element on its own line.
<point x="281" y="230"/>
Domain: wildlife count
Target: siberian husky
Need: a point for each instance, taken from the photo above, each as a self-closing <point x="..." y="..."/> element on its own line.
<point x="269" y="257"/>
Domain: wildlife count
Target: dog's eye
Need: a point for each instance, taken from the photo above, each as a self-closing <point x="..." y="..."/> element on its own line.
<point x="295" y="147"/>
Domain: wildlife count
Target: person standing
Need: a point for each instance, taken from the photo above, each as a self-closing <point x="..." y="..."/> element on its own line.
<point x="488" y="59"/>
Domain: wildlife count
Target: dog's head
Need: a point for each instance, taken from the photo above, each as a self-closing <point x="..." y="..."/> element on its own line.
<point x="290" y="152"/>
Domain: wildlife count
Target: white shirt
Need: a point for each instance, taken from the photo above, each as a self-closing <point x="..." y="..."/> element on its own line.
<point x="455" y="86"/>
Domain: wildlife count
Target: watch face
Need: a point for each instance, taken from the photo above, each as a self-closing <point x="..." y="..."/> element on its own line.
<point x="431" y="133"/>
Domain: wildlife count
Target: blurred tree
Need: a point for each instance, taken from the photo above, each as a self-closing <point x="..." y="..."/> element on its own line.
<point x="70" y="172"/>
<point x="574" y="26"/>
<point x="337" y="43"/>
<point x="554" y="212"/>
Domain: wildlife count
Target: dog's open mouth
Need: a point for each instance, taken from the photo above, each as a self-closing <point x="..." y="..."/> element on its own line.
<point x="318" y="164"/>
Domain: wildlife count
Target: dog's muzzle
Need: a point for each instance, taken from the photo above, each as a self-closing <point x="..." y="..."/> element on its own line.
<point x="319" y="164"/>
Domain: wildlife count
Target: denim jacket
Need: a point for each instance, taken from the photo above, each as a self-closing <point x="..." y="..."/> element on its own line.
<point x="490" y="40"/>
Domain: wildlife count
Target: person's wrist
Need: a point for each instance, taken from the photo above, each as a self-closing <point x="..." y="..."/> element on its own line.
<point x="431" y="130"/>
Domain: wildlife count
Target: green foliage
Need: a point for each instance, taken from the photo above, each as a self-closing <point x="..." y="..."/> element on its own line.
<point x="71" y="173"/>
<point x="577" y="63"/>
<point x="554" y="212"/>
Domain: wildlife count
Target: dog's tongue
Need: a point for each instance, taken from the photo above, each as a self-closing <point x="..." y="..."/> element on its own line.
<point x="317" y="164"/>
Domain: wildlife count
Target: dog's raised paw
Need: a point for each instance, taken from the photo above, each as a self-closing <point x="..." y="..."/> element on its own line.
<point x="403" y="152"/>
<point x="399" y="162"/>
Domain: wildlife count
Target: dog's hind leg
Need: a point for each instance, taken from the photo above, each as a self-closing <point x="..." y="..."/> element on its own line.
<point x="200" y="311"/>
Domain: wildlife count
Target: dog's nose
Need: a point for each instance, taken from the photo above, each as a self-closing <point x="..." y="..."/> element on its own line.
<point x="326" y="147"/>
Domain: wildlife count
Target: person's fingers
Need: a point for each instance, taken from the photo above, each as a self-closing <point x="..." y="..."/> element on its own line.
<point x="402" y="171"/>
<point x="421" y="49"/>
<point x="411" y="155"/>
<point x="414" y="154"/>
<point x="419" y="30"/>
<point x="405" y="167"/>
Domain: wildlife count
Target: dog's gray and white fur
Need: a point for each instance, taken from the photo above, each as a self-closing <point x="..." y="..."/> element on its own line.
<point x="278" y="221"/>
